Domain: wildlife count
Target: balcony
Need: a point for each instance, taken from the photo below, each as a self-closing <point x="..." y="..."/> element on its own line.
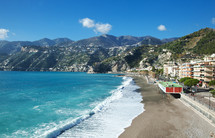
<point x="208" y="80"/>
<point x="186" y="75"/>
<point x="210" y="76"/>
<point x="204" y="66"/>
<point x="209" y="66"/>
<point x="196" y="75"/>
<point x="186" y="67"/>
<point x="209" y="70"/>
<point x="187" y="71"/>
<point x="196" y="66"/>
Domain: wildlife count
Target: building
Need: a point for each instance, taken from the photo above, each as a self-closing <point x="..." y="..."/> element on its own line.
<point x="171" y="69"/>
<point x="186" y="70"/>
<point x="203" y="70"/>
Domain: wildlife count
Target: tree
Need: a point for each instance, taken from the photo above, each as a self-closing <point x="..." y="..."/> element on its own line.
<point x="159" y="71"/>
<point x="191" y="82"/>
<point x="184" y="79"/>
<point x="213" y="92"/>
<point x="212" y="83"/>
<point x="153" y="69"/>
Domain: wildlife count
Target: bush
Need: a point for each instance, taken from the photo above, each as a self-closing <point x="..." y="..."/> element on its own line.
<point x="213" y="92"/>
<point x="191" y="82"/>
<point x="184" y="79"/>
<point x="212" y="83"/>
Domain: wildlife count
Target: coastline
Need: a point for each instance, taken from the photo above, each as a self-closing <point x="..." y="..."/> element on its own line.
<point x="164" y="117"/>
<point x="117" y="110"/>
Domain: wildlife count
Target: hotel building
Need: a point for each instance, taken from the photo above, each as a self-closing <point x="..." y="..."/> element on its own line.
<point x="201" y="70"/>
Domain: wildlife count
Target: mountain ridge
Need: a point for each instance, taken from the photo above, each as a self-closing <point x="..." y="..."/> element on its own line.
<point x="111" y="40"/>
<point x="87" y="56"/>
<point x="10" y="47"/>
<point x="190" y="47"/>
<point x="104" y="40"/>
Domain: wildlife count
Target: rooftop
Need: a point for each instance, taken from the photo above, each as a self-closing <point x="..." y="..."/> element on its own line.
<point x="170" y="84"/>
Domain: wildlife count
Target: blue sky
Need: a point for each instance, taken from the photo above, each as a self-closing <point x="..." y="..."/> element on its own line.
<point x="78" y="19"/>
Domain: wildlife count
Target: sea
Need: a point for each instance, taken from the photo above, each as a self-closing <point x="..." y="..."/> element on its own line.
<point x="66" y="104"/>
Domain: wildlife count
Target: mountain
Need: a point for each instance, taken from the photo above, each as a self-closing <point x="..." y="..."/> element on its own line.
<point x="129" y="40"/>
<point x="167" y="40"/>
<point x="198" y="44"/>
<point x="148" y="40"/>
<point x="109" y="53"/>
<point x="55" y="58"/>
<point x="44" y="42"/>
<point x="15" y="46"/>
<point x="108" y="41"/>
<point x="105" y="41"/>
<point x="62" y="40"/>
<point x="99" y="41"/>
<point x="12" y="47"/>
<point x="190" y="47"/>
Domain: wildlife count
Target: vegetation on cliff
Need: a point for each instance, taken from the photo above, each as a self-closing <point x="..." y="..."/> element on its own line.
<point x="197" y="44"/>
<point x="71" y="57"/>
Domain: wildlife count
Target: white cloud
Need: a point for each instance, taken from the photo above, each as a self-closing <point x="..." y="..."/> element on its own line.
<point x="97" y="27"/>
<point x="213" y="21"/>
<point x="161" y="28"/>
<point x="3" y="33"/>
<point x="86" y="22"/>
<point x="102" y="28"/>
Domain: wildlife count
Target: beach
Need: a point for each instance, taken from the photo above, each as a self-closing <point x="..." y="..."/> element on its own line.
<point x="165" y="117"/>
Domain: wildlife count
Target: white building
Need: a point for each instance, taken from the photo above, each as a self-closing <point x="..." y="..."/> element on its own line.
<point x="171" y="69"/>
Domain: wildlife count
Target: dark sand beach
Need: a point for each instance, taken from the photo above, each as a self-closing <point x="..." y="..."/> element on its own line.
<point x="165" y="117"/>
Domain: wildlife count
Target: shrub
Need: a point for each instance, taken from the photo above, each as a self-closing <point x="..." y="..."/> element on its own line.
<point x="184" y="79"/>
<point x="212" y="83"/>
<point x="191" y="82"/>
<point x="213" y="92"/>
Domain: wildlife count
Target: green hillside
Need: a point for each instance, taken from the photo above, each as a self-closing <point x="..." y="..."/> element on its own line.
<point x="192" y="46"/>
<point x="198" y="43"/>
<point x="101" y="59"/>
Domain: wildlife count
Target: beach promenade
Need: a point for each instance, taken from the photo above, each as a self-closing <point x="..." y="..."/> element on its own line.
<point x="165" y="117"/>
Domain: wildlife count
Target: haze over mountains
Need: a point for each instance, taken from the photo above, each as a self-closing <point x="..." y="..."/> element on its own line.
<point x="105" y="40"/>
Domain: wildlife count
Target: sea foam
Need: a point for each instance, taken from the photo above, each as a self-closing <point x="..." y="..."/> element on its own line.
<point x="109" y="118"/>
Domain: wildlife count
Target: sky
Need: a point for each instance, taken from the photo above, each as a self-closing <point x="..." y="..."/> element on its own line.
<point x="30" y="20"/>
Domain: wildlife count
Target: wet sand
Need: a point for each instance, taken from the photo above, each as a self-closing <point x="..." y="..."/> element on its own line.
<point x="165" y="117"/>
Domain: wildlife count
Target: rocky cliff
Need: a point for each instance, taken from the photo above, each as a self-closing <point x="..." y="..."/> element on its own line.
<point x="104" y="53"/>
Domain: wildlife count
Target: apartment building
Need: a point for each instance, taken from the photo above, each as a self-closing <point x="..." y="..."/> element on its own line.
<point x="203" y="70"/>
<point x="171" y="69"/>
<point x="186" y="70"/>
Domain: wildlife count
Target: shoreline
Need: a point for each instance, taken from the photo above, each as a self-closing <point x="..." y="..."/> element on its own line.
<point x="164" y="117"/>
<point x="117" y="110"/>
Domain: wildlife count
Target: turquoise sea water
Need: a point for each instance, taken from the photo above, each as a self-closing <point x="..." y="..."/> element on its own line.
<point x="44" y="104"/>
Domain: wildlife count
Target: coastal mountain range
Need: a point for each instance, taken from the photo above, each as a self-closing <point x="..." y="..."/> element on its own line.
<point x="101" y="41"/>
<point x="108" y="41"/>
<point x="15" y="46"/>
<point x="104" y="53"/>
